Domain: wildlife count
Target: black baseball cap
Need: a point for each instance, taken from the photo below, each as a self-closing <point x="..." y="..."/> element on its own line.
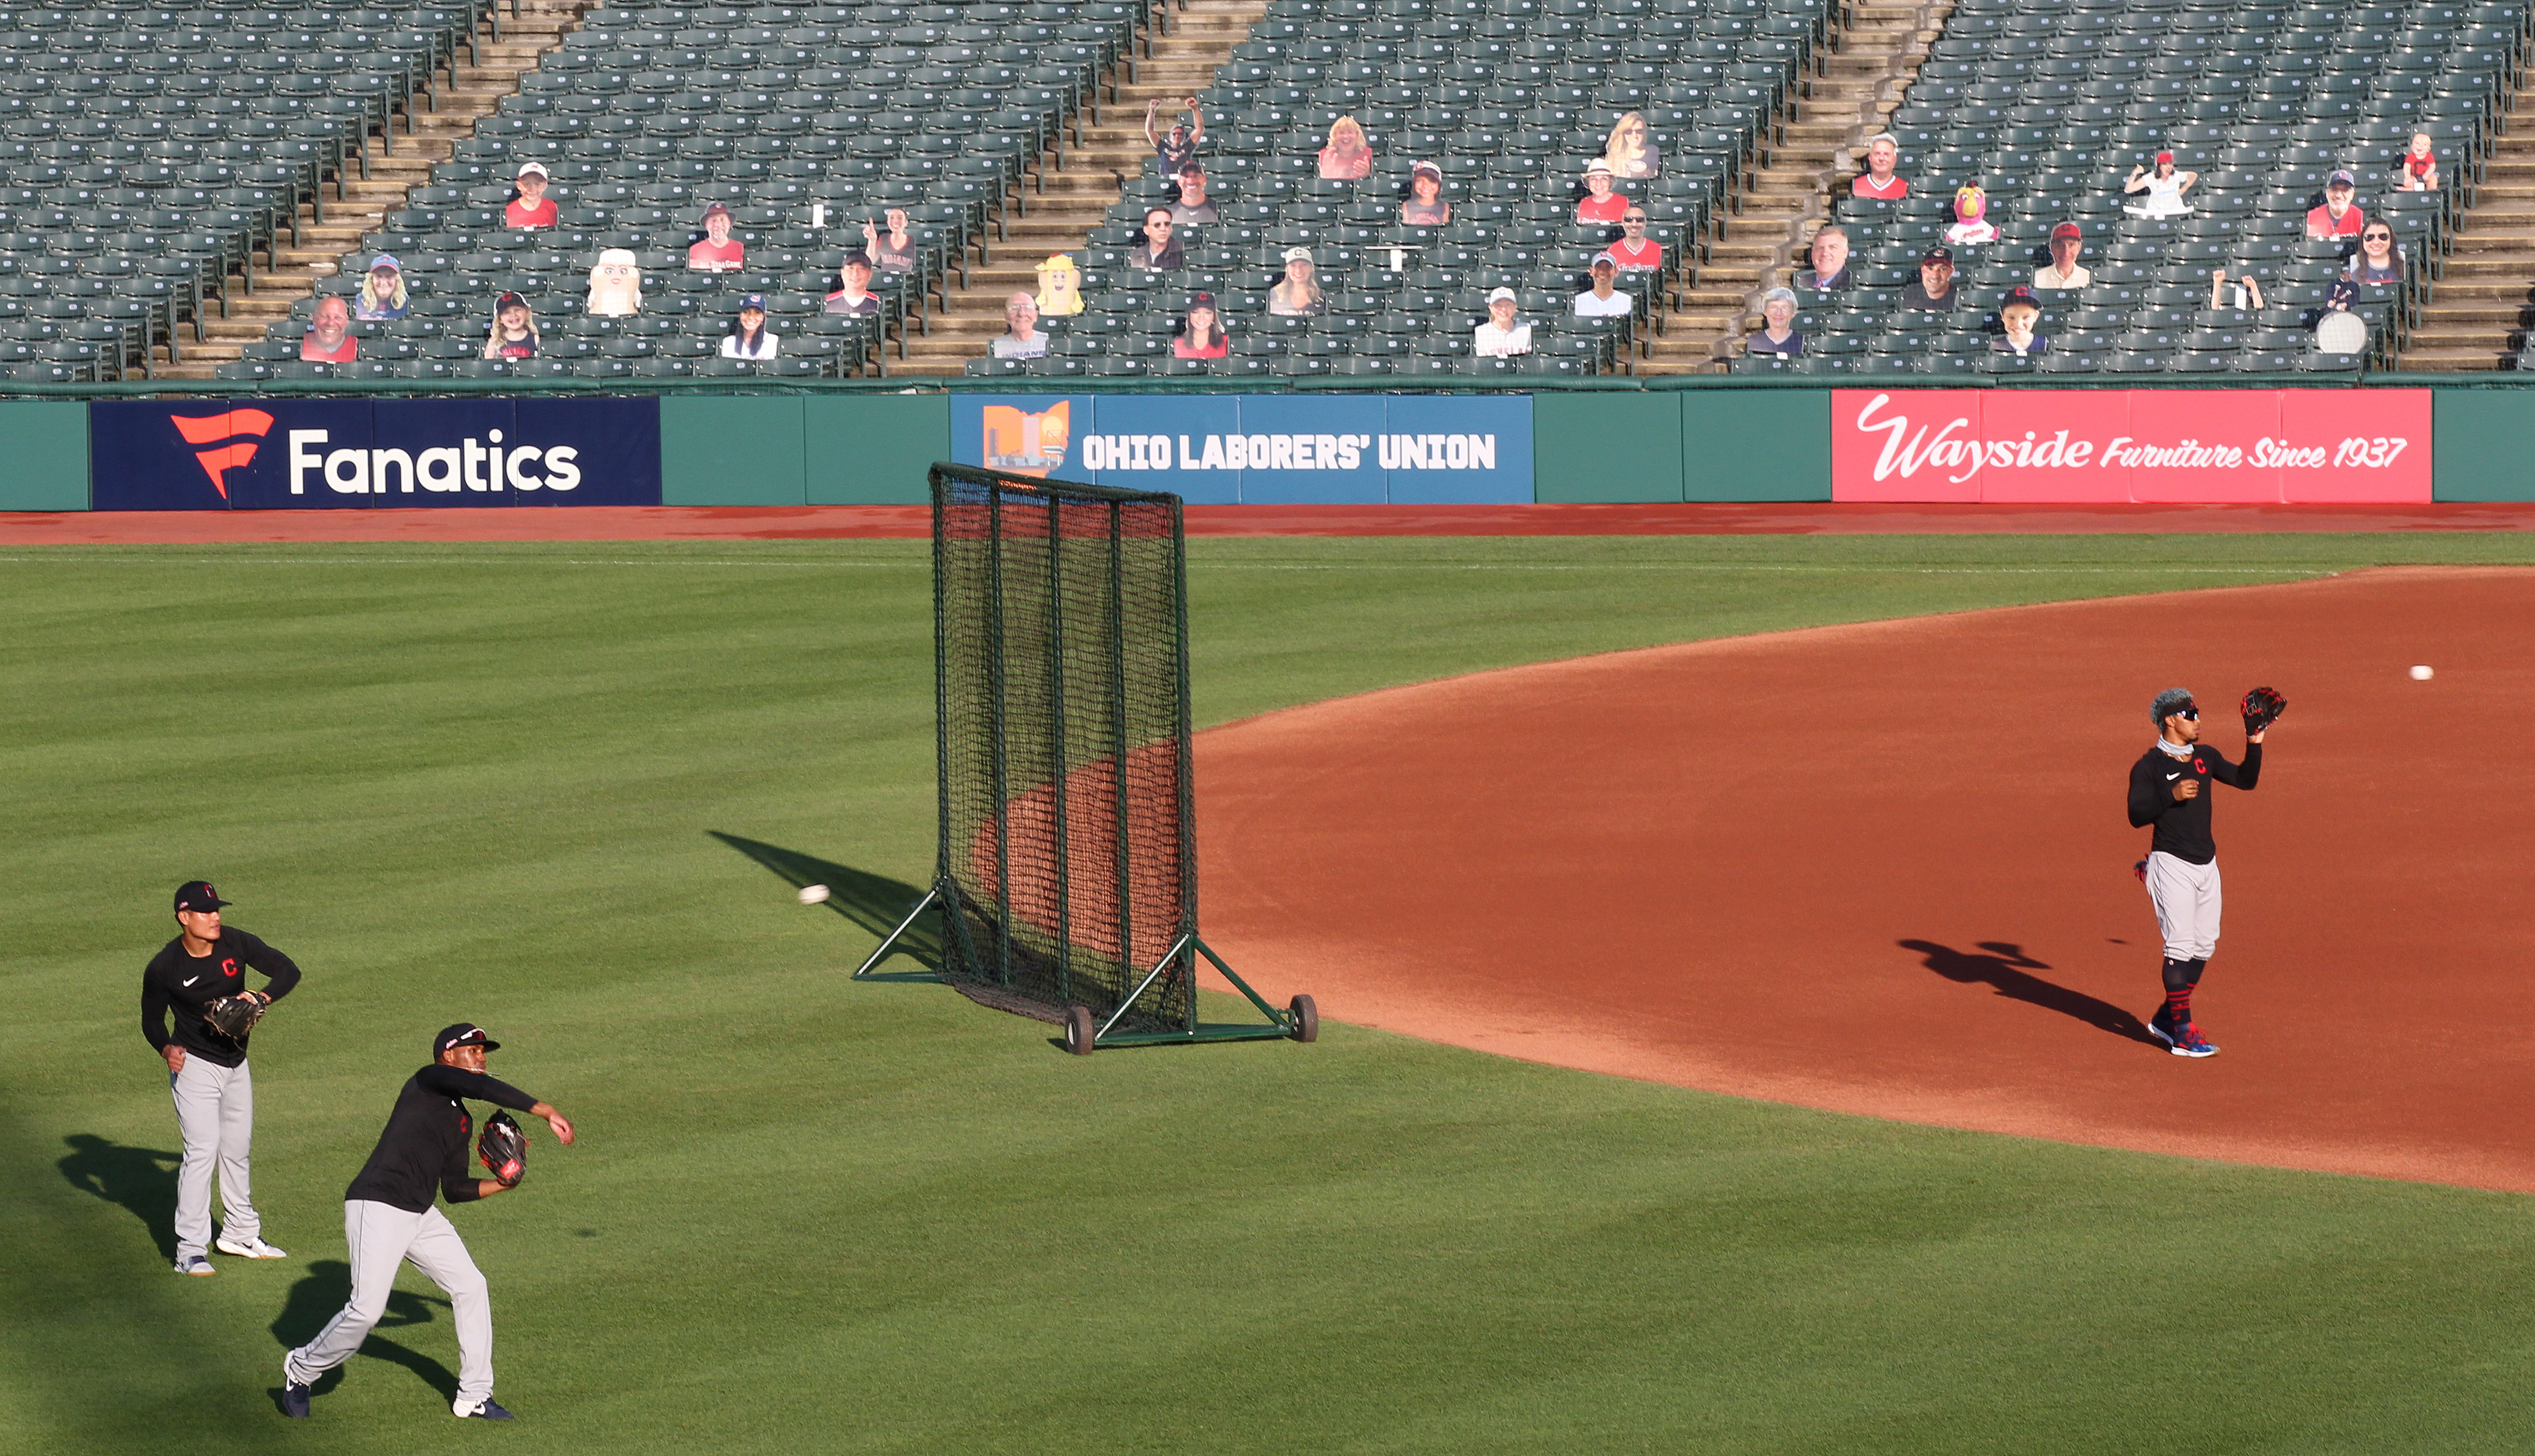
<point x="198" y="896"/>
<point x="1939" y="254"/>
<point x="464" y="1034"/>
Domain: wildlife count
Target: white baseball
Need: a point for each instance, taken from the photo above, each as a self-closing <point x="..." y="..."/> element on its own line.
<point x="812" y="894"/>
<point x="2421" y="674"/>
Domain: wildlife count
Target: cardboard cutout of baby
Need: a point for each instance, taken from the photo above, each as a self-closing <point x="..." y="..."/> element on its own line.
<point x="1060" y="287"/>
<point x="616" y="284"/>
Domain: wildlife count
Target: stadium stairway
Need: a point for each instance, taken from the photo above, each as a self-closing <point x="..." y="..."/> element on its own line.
<point x="2477" y="312"/>
<point x="490" y="70"/>
<point x="1761" y="239"/>
<point x="1068" y="198"/>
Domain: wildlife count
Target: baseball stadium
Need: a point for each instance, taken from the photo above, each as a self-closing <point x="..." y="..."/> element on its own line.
<point x="1403" y="725"/>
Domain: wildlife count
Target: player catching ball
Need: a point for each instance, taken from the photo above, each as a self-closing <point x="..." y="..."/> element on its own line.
<point x="2169" y="789"/>
<point x="389" y="1218"/>
<point x="201" y="978"/>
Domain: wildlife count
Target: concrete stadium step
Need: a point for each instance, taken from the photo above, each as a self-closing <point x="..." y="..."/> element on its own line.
<point x="484" y="76"/>
<point x="2475" y="314"/>
<point x="1757" y="240"/>
<point x="1070" y="192"/>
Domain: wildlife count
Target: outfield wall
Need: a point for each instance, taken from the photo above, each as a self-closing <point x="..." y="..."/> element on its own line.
<point x="2393" y="445"/>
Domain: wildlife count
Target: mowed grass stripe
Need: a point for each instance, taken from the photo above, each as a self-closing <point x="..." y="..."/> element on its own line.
<point x="874" y="1217"/>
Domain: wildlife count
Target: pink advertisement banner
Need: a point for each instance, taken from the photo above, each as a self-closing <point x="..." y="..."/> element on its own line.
<point x="2079" y="447"/>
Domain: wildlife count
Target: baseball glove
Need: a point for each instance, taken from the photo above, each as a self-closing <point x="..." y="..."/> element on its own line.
<point x="504" y="1149"/>
<point x="2262" y="707"/>
<point x="233" y="1017"/>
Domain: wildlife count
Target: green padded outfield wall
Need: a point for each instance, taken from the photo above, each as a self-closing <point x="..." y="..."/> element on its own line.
<point x="1755" y="445"/>
<point x="2485" y="444"/>
<point x="45" y="443"/>
<point x="874" y="449"/>
<point x="1607" y="446"/>
<point x="800" y="450"/>
<point x="732" y="450"/>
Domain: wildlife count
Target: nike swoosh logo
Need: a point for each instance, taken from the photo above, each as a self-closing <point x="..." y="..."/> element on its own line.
<point x="190" y="979"/>
<point x="2169" y="779"/>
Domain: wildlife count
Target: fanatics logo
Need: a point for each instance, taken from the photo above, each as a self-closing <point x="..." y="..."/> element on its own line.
<point x="218" y="461"/>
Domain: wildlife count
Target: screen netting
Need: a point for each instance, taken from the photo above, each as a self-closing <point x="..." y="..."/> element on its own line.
<point x="1061" y="682"/>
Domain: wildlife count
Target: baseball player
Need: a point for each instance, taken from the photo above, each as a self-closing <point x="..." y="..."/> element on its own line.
<point x="389" y="1218"/>
<point x="207" y="1069"/>
<point x="2169" y="789"/>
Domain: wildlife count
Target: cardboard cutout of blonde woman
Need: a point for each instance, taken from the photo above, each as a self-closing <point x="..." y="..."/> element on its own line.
<point x="616" y="284"/>
<point x="1628" y="151"/>
<point x="1060" y="287"/>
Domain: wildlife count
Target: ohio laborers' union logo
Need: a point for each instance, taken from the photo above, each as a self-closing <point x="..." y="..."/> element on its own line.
<point x="1025" y="444"/>
<point x="209" y="429"/>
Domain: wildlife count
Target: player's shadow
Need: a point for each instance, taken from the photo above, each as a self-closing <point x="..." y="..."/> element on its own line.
<point x="2004" y="965"/>
<point x="142" y="1180"/>
<point x="874" y="902"/>
<point x="323" y="1291"/>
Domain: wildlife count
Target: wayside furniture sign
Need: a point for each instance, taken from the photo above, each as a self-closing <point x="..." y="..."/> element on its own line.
<point x="289" y="454"/>
<point x="1260" y="448"/>
<point x="2078" y="446"/>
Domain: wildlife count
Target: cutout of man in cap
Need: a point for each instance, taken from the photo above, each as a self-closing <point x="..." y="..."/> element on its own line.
<point x="1603" y="301"/>
<point x="856" y="297"/>
<point x="717" y="251"/>
<point x="1935" y="289"/>
<point x="2340" y="216"/>
<point x="1501" y="337"/>
<point x="1193" y="209"/>
<point x="2063" y="271"/>
<point x="207" y="1072"/>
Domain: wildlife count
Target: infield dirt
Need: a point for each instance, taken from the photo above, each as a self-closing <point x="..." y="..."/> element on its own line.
<point x="1885" y="868"/>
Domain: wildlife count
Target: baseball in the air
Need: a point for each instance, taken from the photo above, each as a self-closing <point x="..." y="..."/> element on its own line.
<point x="2421" y="674"/>
<point x="812" y="894"/>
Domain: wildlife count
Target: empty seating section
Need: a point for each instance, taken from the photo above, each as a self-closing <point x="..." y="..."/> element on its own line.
<point x="2049" y="105"/>
<point x="803" y="121"/>
<point x="1508" y="99"/>
<point x="150" y="152"/>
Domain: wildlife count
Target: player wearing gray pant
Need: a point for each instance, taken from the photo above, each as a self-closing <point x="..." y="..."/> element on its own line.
<point x="2169" y="789"/>
<point x="207" y="1071"/>
<point x="388" y="1219"/>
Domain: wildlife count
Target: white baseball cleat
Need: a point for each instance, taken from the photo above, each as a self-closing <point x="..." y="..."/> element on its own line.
<point x="248" y="1248"/>
<point x="196" y="1265"/>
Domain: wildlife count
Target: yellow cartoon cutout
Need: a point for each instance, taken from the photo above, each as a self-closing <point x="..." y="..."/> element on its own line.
<point x="1060" y="287"/>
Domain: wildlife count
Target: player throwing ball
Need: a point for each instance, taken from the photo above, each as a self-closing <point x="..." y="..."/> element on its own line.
<point x="388" y="1217"/>
<point x="2169" y="789"/>
<point x="201" y="977"/>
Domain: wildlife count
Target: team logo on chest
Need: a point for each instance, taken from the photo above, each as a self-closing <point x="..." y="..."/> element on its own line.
<point x="228" y="968"/>
<point x="2200" y="768"/>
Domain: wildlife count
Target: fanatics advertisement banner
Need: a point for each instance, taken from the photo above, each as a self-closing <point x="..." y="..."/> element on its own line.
<point x="2165" y="447"/>
<point x="1260" y="448"/>
<point x="290" y="454"/>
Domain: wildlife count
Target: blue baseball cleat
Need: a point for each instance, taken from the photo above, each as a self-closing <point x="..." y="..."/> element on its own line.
<point x="489" y="1412"/>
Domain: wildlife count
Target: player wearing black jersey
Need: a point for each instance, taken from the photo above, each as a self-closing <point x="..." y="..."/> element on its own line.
<point x="2169" y="789"/>
<point x="388" y="1217"/>
<point x="206" y="1072"/>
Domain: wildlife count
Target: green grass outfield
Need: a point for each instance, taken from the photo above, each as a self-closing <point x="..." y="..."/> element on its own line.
<point x="809" y="1215"/>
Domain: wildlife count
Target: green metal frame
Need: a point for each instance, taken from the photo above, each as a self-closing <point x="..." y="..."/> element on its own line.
<point x="945" y="897"/>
